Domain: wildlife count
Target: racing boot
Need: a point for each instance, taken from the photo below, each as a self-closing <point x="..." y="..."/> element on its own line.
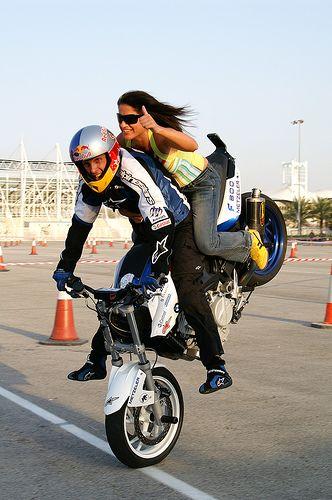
<point x="93" y="369"/>
<point x="217" y="378"/>
<point x="258" y="252"/>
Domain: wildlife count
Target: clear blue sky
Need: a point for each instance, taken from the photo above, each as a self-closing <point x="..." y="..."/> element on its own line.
<point x="248" y="68"/>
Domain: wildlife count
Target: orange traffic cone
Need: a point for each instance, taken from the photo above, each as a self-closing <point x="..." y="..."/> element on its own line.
<point x="33" y="248"/>
<point x="2" y="265"/>
<point x="328" y="313"/>
<point x="293" y="252"/>
<point x="125" y="245"/>
<point x="110" y="244"/>
<point x="94" y="247"/>
<point x="64" y="332"/>
<point x="44" y="243"/>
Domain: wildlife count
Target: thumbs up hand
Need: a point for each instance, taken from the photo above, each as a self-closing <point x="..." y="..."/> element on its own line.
<point x="147" y="121"/>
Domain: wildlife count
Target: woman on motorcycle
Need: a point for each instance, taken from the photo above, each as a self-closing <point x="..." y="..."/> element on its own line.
<point x="157" y="129"/>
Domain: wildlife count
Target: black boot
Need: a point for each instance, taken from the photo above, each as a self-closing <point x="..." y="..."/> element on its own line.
<point x="216" y="378"/>
<point x="93" y="369"/>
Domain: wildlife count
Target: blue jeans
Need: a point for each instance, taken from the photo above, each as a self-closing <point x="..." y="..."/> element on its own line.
<point x="204" y="194"/>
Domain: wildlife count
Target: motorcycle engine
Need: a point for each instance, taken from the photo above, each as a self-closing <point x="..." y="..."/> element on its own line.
<point x="222" y="310"/>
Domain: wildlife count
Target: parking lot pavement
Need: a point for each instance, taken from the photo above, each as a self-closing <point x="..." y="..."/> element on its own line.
<point x="268" y="436"/>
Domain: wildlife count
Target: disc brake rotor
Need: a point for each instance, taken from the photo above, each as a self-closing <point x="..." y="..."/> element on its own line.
<point x="143" y="414"/>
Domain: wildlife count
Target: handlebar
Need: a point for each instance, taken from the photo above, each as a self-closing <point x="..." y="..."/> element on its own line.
<point x="79" y="289"/>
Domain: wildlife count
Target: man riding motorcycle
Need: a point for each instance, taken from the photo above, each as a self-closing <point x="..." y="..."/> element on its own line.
<point x="132" y="183"/>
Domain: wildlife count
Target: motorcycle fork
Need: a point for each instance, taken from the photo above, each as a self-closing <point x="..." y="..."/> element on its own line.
<point x="144" y="363"/>
<point x="108" y="339"/>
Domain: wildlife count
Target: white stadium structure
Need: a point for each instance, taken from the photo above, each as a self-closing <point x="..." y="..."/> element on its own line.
<point x="295" y="184"/>
<point x="37" y="200"/>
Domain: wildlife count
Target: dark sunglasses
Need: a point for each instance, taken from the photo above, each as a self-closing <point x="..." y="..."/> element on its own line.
<point x="129" y="119"/>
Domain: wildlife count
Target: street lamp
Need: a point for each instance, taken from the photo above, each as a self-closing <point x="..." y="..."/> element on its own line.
<point x="299" y="123"/>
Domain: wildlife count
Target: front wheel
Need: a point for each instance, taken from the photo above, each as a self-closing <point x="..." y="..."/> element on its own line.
<point x="132" y="433"/>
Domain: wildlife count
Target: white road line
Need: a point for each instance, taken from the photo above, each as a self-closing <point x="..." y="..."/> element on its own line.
<point x="304" y="271"/>
<point x="152" y="472"/>
<point x="37" y="410"/>
<point x="177" y="484"/>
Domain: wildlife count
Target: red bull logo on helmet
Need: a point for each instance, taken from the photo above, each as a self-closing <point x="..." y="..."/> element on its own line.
<point x="81" y="152"/>
<point x="104" y="134"/>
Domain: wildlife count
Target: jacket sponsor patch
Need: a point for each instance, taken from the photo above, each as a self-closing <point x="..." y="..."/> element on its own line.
<point x="162" y="223"/>
<point x="156" y="214"/>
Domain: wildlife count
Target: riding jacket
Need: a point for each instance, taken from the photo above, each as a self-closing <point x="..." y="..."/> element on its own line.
<point x="140" y="187"/>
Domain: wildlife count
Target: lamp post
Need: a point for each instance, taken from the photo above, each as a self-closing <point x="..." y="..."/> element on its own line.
<point x="299" y="123"/>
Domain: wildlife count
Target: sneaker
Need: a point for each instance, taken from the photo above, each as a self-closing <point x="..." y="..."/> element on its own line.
<point x="93" y="369"/>
<point x="258" y="252"/>
<point x="217" y="378"/>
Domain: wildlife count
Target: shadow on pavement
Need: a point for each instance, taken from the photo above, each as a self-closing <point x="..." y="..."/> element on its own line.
<point x="277" y="318"/>
<point x="26" y="333"/>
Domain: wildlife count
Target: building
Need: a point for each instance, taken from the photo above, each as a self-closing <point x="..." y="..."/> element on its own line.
<point x="37" y="200"/>
<point x="295" y="184"/>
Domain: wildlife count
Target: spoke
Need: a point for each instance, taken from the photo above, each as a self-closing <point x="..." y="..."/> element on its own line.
<point x="131" y="431"/>
<point x="130" y="413"/>
<point x="130" y="420"/>
<point x="145" y="426"/>
<point x="155" y="431"/>
<point x="139" y="447"/>
<point x="134" y="441"/>
<point x="144" y="417"/>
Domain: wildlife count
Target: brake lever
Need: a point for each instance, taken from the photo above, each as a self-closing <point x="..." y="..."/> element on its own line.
<point x="78" y="289"/>
<point x="73" y="294"/>
<point x="77" y="295"/>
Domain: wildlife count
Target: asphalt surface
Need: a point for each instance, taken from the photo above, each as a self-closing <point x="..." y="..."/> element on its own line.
<point x="266" y="437"/>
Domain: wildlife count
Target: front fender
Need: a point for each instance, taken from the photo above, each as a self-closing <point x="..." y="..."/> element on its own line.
<point x="119" y="386"/>
<point x="127" y="382"/>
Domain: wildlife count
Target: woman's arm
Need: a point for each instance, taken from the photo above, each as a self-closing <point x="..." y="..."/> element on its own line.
<point x="166" y="137"/>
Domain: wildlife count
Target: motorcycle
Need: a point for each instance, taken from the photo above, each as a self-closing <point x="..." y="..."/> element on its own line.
<point x="144" y="405"/>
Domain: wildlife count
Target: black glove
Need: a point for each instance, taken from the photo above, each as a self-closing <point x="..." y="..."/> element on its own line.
<point x="152" y="283"/>
<point x="61" y="277"/>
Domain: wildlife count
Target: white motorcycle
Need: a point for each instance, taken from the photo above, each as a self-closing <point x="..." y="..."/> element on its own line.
<point x="144" y="405"/>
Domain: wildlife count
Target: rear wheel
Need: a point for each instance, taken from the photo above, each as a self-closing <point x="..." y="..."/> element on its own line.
<point x="275" y="240"/>
<point x="132" y="433"/>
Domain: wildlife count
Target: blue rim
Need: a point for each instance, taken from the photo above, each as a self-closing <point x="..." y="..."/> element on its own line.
<point x="274" y="239"/>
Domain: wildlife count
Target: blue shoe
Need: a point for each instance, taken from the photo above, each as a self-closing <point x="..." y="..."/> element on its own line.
<point x="93" y="369"/>
<point x="217" y="378"/>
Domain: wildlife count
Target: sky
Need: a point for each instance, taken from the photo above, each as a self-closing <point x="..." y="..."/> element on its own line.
<point x="247" y="68"/>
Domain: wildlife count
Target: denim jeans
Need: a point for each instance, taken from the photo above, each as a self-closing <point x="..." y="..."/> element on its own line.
<point x="204" y="194"/>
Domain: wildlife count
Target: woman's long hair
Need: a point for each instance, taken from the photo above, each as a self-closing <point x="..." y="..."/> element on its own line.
<point x="164" y="114"/>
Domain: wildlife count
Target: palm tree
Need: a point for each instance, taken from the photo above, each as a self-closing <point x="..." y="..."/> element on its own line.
<point x="291" y="212"/>
<point x="321" y="210"/>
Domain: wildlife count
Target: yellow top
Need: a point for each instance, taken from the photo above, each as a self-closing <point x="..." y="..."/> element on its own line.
<point x="184" y="166"/>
